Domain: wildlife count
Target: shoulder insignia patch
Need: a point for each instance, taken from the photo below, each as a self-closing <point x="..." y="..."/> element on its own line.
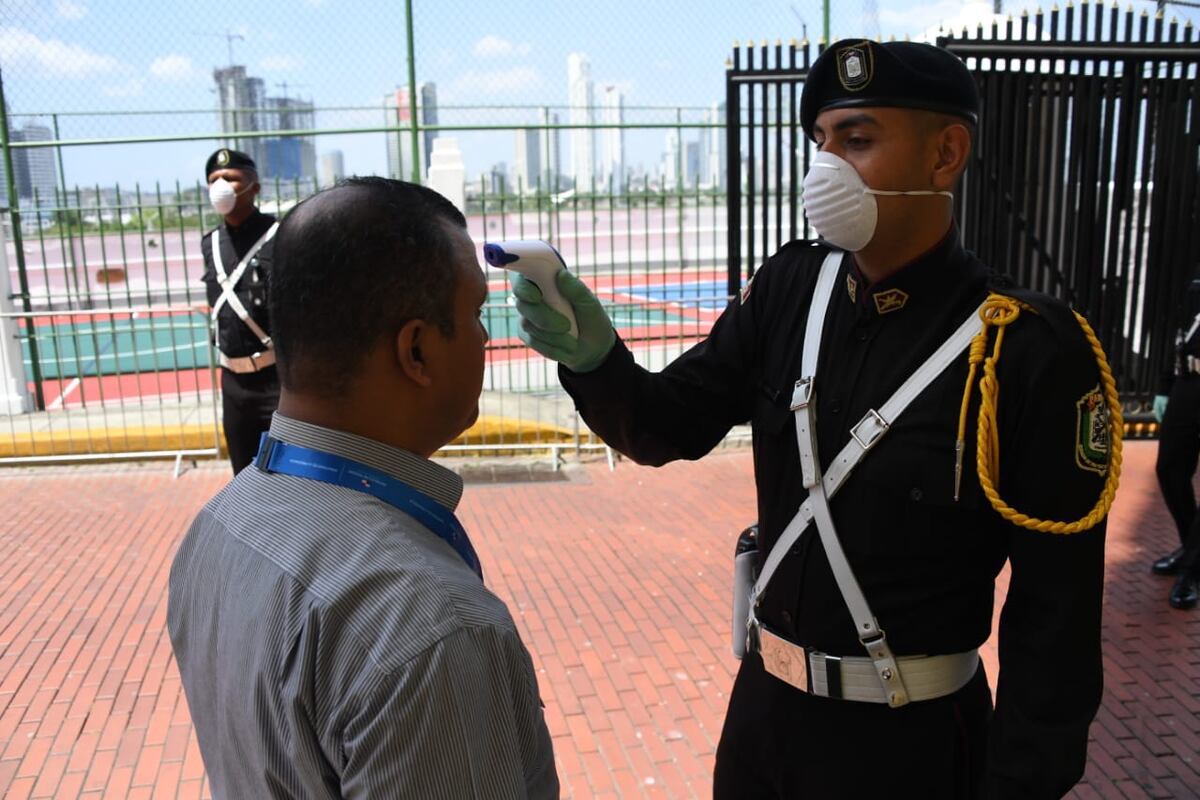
<point x="1092" y="432"/>
<point x="891" y="300"/>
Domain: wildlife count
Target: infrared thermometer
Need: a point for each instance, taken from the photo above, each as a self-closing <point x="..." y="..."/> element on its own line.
<point x="540" y="263"/>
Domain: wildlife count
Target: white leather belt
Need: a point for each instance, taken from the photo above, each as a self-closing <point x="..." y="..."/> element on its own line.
<point x="250" y="363"/>
<point x="856" y="678"/>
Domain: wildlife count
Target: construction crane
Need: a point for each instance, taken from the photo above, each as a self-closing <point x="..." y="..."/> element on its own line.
<point x="229" y="37"/>
<point x="800" y="17"/>
<point x="870" y="19"/>
<point x="284" y="85"/>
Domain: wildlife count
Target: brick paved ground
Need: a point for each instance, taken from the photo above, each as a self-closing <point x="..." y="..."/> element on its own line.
<point x="619" y="582"/>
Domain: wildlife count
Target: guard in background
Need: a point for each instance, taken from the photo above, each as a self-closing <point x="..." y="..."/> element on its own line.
<point x="237" y="277"/>
<point x="1178" y="409"/>
<point x="917" y="423"/>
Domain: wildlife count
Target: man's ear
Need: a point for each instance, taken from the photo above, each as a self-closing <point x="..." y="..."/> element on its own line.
<point x="409" y="357"/>
<point x="953" y="150"/>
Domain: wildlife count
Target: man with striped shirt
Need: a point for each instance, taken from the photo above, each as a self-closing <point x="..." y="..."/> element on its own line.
<point x="327" y="612"/>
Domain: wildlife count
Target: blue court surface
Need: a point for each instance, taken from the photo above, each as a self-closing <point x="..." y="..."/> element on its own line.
<point x="703" y="295"/>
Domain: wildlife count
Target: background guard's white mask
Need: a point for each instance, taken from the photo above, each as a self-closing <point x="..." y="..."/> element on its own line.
<point x="223" y="196"/>
<point x="840" y="206"/>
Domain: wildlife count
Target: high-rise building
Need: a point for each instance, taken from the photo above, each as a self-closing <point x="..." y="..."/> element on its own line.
<point x="495" y="183"/>
<point x="691" y="164"/>
<point x="397" y="115"/>
<point x="612" y="159"/>
<point x="527" y="161"/>
<point x="429" y="116"/>
<point x="714" y="150"/>
<point x="34" y="171"/>
<point x="288" y="157"/>
<point x="333" y="167"/>
<point x="239" y="103"/>
<point x="671" y="162"/>
<point x="396" y="118"/>
<point x="550" y="145"/>
<point x="581" y="102"/>
<point x="3" y="167"/>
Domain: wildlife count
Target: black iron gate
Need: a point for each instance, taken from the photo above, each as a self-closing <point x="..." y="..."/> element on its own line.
<point x="1085" y="182"/>
<point x="767" y="152"/>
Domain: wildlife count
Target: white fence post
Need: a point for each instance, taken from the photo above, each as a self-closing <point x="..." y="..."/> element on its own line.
<point x="14" y="391"/>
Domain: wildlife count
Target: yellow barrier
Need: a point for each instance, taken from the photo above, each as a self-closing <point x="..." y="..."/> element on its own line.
<point x="487" y="430"/>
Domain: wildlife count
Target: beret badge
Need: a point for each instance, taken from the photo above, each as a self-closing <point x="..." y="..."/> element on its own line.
<point x="855" y="66"/>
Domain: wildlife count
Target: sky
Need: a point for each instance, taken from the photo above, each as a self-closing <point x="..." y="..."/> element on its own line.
<point x="136" y="68"/>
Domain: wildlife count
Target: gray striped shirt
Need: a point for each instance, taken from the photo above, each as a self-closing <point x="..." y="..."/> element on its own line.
<point x="331" y="646"/>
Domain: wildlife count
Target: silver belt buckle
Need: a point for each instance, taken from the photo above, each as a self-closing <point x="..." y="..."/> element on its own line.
<point x="867" y="441"/>
<point x="783" y="659"/>
<point x="801" y="394"/>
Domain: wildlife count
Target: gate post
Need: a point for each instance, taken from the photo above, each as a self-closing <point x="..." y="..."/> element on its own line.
<point x="14" y="394"/>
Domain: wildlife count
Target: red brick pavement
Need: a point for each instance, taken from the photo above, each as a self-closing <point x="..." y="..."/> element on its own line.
<point x="619" y="581"/>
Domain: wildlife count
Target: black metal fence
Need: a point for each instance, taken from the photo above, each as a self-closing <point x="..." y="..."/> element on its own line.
<point x="767" y="152"/>
<point x="1085" y="182"/>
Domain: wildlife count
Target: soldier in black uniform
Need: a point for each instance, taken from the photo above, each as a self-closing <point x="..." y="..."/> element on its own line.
<point x="924" y="540"/>
<point x="1178" y="409"/>
<point x="237" y="277"/>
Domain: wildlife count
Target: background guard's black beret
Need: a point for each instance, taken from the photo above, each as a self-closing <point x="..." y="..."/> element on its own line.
<point x="228" y="159"/>
<point x="857" y="72"/>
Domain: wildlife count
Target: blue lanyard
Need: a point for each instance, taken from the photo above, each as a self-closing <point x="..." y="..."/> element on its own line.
<point x="317" y="465"/>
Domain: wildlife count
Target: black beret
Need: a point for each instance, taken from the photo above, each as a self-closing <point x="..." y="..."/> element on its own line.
<point x="228" y="159"/>
<point x="858" y="72"/>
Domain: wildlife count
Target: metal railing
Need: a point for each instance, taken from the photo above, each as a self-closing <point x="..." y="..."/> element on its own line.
<point x="115" y="344"/>
<point x="1084" y="182"/>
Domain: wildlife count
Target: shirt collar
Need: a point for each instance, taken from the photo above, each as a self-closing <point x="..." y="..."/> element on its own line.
<point x="918" y="280"/>
<point x="250" y="224"/>
<point x="417" y="471"/>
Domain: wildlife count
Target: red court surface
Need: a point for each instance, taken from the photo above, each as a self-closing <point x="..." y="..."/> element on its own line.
<point x="619" y="582"/>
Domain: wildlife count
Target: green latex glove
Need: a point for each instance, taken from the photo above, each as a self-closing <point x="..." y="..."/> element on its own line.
<point x="1160" y="406"/>
<point x="546" y="330"/>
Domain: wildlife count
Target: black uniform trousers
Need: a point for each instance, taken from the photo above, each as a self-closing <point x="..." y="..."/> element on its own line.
<point x="781" y="743"/>
<point x="1178" y="455"/>
<point x="248" y="400"/>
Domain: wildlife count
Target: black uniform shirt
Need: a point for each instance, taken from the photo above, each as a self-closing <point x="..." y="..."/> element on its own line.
<point x="235" y="339"/>
<point x="926" y="563"/>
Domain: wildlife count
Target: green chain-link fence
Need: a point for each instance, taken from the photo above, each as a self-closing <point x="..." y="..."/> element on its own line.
<point x="597" y="127"/>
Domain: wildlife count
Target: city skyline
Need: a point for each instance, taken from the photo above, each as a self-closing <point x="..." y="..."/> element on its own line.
<point x="152" y="80"/>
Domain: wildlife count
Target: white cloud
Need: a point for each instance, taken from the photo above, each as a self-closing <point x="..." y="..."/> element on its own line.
<point x="69" y="9"/>
<point x="130" y="88"/>
<point x="172" y="68"/>
<point x="484" y="84"/>
<point x="19" y="47"/>
<point x="280" y="63"/>
<point x="496" y="47"/>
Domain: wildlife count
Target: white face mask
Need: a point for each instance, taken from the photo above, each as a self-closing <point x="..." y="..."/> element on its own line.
<point x="222" y="196"/>
<point x="840" y="206"/>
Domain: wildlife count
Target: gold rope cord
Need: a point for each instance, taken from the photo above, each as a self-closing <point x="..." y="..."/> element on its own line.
<point x="999" y="312"/>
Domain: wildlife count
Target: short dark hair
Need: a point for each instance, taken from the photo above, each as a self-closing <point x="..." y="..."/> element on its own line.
<point x="352" y="264"/>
